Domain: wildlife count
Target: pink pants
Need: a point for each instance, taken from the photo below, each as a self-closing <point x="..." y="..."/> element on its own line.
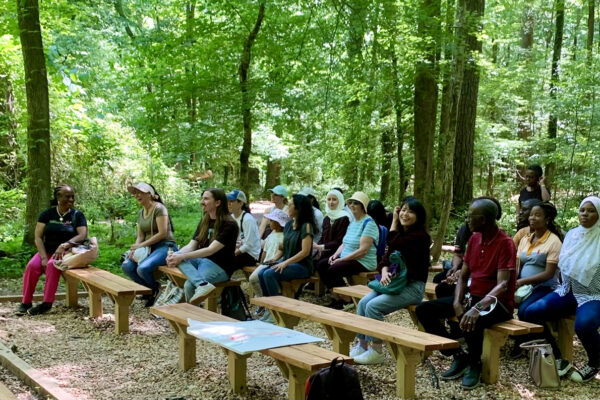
<point x="33" y="271"/>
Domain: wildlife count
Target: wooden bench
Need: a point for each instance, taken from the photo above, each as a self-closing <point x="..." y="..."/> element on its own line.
<point x="361" y="278"/>
<point x="288" y="288"/>
<point x="5" y="393"/>
<point x="494" y="337"/>
<point x="98" y="281"/>
<point x="296" y="362"/>
<point x="564" y="330"/>
<point x="407" y="346"/>
<point x="211" y="300"/>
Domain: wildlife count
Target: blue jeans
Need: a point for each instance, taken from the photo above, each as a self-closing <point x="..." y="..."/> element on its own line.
<point x="144" y="272"/>
<point x="269" y="278"/>
<point x="587" y="321"/>
<point x="537" y="293"/>
<point x="376" y="305"/>
<point x="199" y="270"/>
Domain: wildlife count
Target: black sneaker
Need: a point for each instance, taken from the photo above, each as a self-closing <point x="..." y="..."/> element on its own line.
<point x="22" y="309"/>
<point x="152" y="297"/>
<point x="584" y="374"/>
<point x="472" y="377"/>
<point x="40" y="308"/>
<point x="563" y="366"/>
<point x="335" y="304"/>
<point x="517" y="352"/>
<point x="457" y="369"/>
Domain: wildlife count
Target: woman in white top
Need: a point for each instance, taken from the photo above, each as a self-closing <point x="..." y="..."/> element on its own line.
<point x="248" y="242"/>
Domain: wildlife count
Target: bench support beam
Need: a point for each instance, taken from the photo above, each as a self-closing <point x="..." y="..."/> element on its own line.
<point x="566" y="332"/>
<point x="492" y="343"/>
<point x="236" y="370"/>
<point x="122" y="303"/>
<point x="341" y="338"/>
<point x="406" y="369"/>
<point x="186" y="345"/>
<point x="71" y="290"/>
<point x="95" y="299"/>
<point x="296" y="380"/>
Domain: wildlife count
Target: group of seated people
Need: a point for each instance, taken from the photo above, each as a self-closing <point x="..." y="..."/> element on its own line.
<point x="295" y="239"/>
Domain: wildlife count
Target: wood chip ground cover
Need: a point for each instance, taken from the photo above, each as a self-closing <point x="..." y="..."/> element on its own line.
<point x="91" y="362"/>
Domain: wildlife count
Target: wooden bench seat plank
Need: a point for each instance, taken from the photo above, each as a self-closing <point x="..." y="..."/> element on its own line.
<point x="108" y="281"/>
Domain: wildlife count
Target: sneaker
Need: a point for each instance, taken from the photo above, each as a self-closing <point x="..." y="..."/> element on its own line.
<point x="457" y="369"/>
<point x="175" y="296"/>
<point x="563" y="366"/>
<point x="40" y="308"/>
<point x="22" y="309"/>
<point x="201" y="291"/>
<point x="335" y="304"/>
<point x="268" y="318"/>
<point x="357" y="350"/>
<point x="369" y="357"/>
<point x="472" y="377"/>
<point x="155" y="290"/>
<point x="259" y="312"/>
<point x="584" y="374"/>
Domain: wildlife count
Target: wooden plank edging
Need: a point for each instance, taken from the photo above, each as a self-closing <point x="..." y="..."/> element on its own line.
<point x="39" y="382"/>
<point x="38" y="297"/>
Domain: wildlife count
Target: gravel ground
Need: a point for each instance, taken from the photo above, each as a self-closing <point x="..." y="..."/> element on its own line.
<point x="88" y="360"/>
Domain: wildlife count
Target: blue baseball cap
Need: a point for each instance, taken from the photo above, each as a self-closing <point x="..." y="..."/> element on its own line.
<point x="279" y="190"/>
<point x="237" y="194"/>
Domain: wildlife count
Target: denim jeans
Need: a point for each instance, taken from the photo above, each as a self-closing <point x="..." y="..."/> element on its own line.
<point x="269" y="278"/>
<point x="144" y="272"/>
<point x="199" y="270"/>
<point x="377" y="305"/>
<point x="537" y="293"/>
<point x="587" y="321"/>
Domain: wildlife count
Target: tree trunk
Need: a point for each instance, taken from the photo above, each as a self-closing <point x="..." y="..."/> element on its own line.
<point x="553" y="120"/>
<point x="425" y="102"/>
<point x="247" y="99"/>
<point x="467" y="106"/>
<point x="590" y="31"/>
<point x="399" y="132"/>
<point x="38" y="115"/>
<point x="387" y="152"/>
<point x="9" y="162"/>
<point x="524" y="111"/>
<point x="273" y="177"/>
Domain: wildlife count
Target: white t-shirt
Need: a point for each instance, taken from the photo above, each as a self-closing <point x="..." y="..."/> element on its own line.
<point x="272" y="243"/>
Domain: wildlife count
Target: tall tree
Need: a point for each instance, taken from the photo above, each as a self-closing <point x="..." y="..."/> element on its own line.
<point x="554" y="77"/>
<point x="467" y="105"/>
<point x="247" y="98"/>
<point x="38" y="113"/>
<point x="590" y="30"/>
<point x="425" y="99"/>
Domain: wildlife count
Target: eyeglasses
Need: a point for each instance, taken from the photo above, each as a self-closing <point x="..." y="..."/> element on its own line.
<point x="354" y="202"/>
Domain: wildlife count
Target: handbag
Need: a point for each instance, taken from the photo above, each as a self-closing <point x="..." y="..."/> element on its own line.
<point x="79" y="256"/>
<point x="522" y="293"/>
<point x="398" y="281"/>
<point x="141" y="253"/>
<point x="542" y="365"/>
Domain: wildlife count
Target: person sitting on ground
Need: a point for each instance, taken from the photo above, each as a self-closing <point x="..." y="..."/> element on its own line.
<point x="490" y="263"/>
<point x="310" y="193"/>
<point x="356" y="254"/>
<point x="248" y="242"/>
<point x="335" y="225"/>
<point x="296" y="262"/>
<point x="273" y="250"/>
<point x="535" y="186"/>
<point x="154" y="230"/>
<point x="279" y="197"/>
<point x="408" y="237"/>
<point x="58" y="228"/>
<point x="209" y="257"/>
<point x="578" y="292"/>
<point x="537" y="258"/>
<point x="523" y="228"/>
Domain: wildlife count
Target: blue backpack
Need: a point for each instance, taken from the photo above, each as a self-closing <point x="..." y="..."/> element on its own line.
<point x="382" y="243"/>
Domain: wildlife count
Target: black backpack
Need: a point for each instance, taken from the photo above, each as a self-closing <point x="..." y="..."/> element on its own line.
<point x="233" y="303"/>
<point x="336" y="382"/>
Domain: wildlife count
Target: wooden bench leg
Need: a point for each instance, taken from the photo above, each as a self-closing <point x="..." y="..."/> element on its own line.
<point x="406" y="369"/>
<point x="319" y="288"/>
<point x="211" y="301"/>
<point x="287" y="321"/>
<point x="490" y="357"/>
<point x="296" y="380"/>
<point x="71" y="288"/>
<point x="186" y="345"/>
<point x="287" y="289"/>
<point x="341" y="339"/>
<point x="236" y="370"/>
<point x="566" y="331"/>
<point x="95" y="300"/>
<point x="122" y="303"/>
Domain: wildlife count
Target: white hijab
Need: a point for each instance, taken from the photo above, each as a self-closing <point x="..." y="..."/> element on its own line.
<point x="580" y="253"/>
<point x="340" y="211"/>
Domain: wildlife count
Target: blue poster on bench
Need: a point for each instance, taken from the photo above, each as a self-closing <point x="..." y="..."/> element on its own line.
<point x="247" y="336"/>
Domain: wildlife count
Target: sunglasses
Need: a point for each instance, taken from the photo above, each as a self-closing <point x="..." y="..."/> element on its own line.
<point x="354" y="202"/>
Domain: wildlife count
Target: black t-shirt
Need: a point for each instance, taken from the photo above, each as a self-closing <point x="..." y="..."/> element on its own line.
<point x="462" y="238"/>
<point x="227" y="236"/>
<point x="534" y="194"/>
<point x="57" y="232"/>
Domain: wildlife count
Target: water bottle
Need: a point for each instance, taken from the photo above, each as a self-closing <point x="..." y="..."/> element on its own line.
<point x="170" y="251"/>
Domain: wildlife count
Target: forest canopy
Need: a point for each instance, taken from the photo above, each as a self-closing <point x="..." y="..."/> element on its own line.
<point x="446" y="99"/>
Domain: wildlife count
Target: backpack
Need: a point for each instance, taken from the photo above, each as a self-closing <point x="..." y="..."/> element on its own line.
<point x="336" y="382"/>
<point x="382" y="243"/>
<point x="233" y="303"/>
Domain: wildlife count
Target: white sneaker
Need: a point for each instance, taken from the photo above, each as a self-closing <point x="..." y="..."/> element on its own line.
<point x="175" y="296"/>
<point x="369" y="357"/>
<point x="202" y="290"/>
<point x="268" y="318"/>
<point x="357" y="350"/>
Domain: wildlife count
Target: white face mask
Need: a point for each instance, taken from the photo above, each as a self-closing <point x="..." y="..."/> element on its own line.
<point x="492" y="306"/>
